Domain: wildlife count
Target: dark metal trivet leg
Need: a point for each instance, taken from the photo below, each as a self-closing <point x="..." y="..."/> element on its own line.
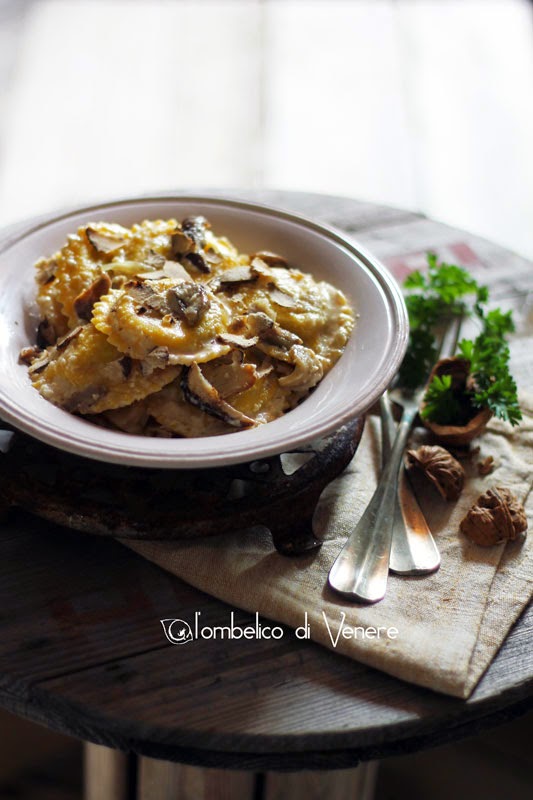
<point x="292" y="525"/>
<point x="295" y="538"/>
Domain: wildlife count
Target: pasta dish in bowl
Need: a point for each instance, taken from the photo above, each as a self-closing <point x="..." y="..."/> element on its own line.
<point x="156" y="326"/>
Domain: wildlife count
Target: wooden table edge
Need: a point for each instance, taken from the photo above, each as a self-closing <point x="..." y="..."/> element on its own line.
<point x="280" y="752"/>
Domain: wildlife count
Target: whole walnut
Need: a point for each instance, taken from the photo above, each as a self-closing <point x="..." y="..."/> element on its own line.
<point x="442" y="469"/>
<point x="496" y="517"/>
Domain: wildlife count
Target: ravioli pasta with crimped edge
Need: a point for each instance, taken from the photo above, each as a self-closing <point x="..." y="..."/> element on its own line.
<point x="166" y="329"/>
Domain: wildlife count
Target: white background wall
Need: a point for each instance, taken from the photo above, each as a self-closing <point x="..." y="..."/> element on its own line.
<point x="425" y="104"/>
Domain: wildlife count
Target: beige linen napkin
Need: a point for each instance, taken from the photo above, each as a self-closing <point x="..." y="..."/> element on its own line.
<point x="449" y="625"/>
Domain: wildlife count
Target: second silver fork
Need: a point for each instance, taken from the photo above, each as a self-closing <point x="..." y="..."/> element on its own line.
<point x="360" y="571"/>
<point x="413" y="549"/>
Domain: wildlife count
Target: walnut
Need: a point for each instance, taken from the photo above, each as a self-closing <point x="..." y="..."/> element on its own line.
<point x="442" y="469"/>
<point x="496" y="517"/>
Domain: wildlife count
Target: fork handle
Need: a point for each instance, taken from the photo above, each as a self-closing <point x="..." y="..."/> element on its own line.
<point x="361" y="569"/>
<point x="413" y="549"/>
<point x="388" y="427"/>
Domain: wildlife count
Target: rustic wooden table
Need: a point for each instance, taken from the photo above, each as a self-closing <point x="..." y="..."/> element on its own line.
<point x="82" y="649"/>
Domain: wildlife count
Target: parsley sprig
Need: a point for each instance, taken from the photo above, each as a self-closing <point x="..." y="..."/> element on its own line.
<point x="492" y="384"/>
<point x="433" y="299"/>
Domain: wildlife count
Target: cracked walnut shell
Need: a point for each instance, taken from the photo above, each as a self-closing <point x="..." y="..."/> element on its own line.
<point x="442" y="469"/>
<point x="496" y="517"/>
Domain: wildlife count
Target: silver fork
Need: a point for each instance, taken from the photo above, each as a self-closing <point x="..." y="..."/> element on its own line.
<point x="413" y="549"/>
<point x="360" y="571"/>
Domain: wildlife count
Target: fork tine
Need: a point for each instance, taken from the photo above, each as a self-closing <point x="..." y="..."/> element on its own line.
<point x="450" y="338"/>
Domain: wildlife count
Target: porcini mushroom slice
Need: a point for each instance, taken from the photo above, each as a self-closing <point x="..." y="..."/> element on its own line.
<point x="68" y="338"/>
<point x="106" y="241"/>
<point x="155" y="260"/>
<point x="84" y="302"/>
<point x="213" y="258"/>
<point x="273" y="340"/>
<point x="229" y="375"/>
<point x="233" y="276"/>
<point x="308" y="369"/>
<point x="156" y="359"/>
<point x="272" y="259"/>
<point x="29" y="354"/>
<point x="188" y="301"/>
<point x="281" y="298"/>
<point x="200" y="393"/>
<point x="195" y="228"/>
<point x="172" y="269"/>
<point x="39" y="363"/>
<point x="180" y="243"/>
<point x="234" y="339"/>
<point x="143" y="292"/>
<point x="198" y="261"/>
<point x="46" y="272"/>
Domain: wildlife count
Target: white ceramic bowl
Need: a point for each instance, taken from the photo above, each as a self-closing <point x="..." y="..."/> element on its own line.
<point x="365" y="369"/>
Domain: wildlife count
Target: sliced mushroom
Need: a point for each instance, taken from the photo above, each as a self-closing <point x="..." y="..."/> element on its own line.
<point x="187" y="243"/>
<point x="68" y="337"/>
<point x="198" y="261"/>
<point x="188" y="301"/>
<point x="232" y="277"/>
<point x="200" y="393"/>
<point x="180" y="244"/>
<point x="242" y="342"/>
<point x="173" y="414"/>
<point x="308" y="369"/>
<point x="195" y="228"/>
<point x="265" y="368"/>
<point x="46" y="272"/>
<point x="155" y="275"/>
<point x="144" y="293"/>
<point x="273" y="340"/>
<point x="106" y="241"/>
<point x="39" y="363"/>
<point x="28" y="354"/>
<point x="173" y="269"/>
<point x="156" y="359"/>
<point x="84" y="302"/>
<point x="230" y="375"/>
<point x="281" y="298"/>
<point x="213" y="258"/>
<point x="272" y="259"/>
<point x="155" y="260"/>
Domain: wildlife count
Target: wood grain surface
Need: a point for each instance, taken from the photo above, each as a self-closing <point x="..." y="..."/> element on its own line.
<point x="82" y="649"/>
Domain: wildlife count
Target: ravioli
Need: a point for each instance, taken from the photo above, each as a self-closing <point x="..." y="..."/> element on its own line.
<point x="166" y="329"/>
<point x="63" y="276"/>
<point x="138" y="318"/>
<point x="87" y="375"/>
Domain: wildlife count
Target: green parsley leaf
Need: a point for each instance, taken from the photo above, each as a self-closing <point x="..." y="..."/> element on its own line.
<point x="434" y="298"/>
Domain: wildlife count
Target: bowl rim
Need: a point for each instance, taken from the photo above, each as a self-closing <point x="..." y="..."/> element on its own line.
<point x="22" y="420"/>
